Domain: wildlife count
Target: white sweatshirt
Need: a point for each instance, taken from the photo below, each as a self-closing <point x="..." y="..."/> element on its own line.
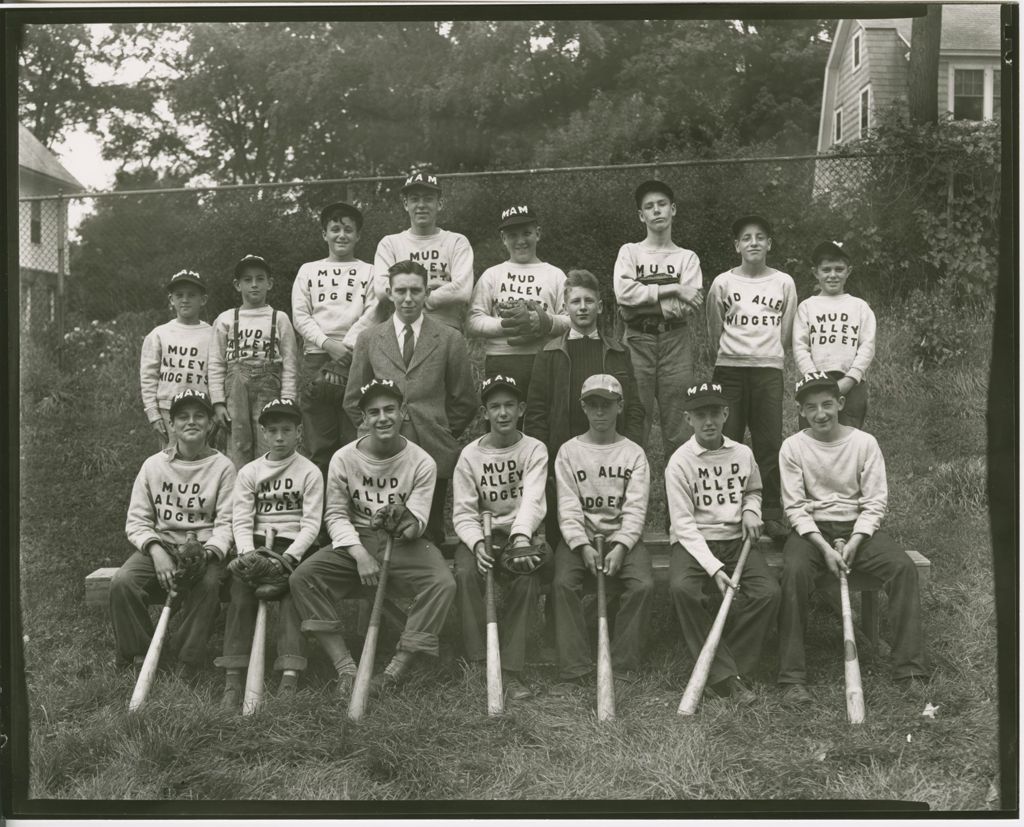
<point x="508" y="482"/>
<point x="286" y="495"/>
<point x="332" y="299"/>
<point x="253" y="344"/>
<point x="834" y="333"/>
<point x="707" y="492"/>
<point x="174" y="357"/>
<point x="445" y="255"/>
<point x="840" y="481"/>
<point x="541" y="282"/>
<point x="750" y="319"/>
<point x="641" y="268"/>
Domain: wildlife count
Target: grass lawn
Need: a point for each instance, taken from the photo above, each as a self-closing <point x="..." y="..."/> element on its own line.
<point x="433" y="739"/>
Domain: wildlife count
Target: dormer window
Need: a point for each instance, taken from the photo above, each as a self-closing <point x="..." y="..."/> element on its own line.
<point x="856" y="50"/>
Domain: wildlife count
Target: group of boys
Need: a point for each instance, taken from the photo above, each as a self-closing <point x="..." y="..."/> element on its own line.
<point x="384" y="391"/>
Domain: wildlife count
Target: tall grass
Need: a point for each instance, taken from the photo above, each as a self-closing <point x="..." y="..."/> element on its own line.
<point x="433" y="740"/>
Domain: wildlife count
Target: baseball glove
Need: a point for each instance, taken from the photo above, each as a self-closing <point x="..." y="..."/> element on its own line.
<point x="524" y="558"/>
<point x="265" y="571"/>
<point x="524" y="321"/>
<point x="190" y="563"/>
<point x="393" y="520"/>
<point x="335" y="371"/>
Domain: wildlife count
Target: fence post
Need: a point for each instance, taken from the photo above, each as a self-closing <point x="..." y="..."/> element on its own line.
<point x="61" y="246"/>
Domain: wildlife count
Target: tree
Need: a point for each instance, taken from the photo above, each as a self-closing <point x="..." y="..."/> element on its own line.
<point x="925" y="38"/>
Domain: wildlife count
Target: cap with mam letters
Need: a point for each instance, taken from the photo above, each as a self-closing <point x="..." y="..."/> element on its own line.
<point x="421" y="180"/>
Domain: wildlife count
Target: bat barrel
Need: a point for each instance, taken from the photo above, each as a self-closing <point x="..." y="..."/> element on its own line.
<point x="147" y="674"/>
<point x="605" y="676"/>
<point x="361" y="685"/>
<point x="855" y="710"/>
<point x="495" y="690"/>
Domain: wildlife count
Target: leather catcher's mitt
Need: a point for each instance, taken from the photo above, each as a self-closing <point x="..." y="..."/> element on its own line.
<point x="393" y="519"/>
<point x="265" y="571"/>
<point x="524" y="558"/>
<point x="190" y="562"/>
<point x="524" y="321"/>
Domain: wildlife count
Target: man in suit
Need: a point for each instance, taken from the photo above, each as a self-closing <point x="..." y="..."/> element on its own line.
<point x="430" y="364"/>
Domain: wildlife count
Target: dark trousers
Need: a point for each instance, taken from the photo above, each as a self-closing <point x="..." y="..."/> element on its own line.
<point x="803" y="568"/>
<point x="520" y="603"/>
<point x="241" y="623"/>
<point x="435" y="528"/>
<point x="634" y="585"/>
<point x="417" y="569"/>
<point x="325" y="425"/>
<point x="855" y="409"/>
<point x="753" y="612"/>
<point x="133" y="588"/>
<point x="755" y="402"/>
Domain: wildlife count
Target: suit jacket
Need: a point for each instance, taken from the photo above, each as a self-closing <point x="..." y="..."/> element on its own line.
<point x="438" y="385"/>
<point x="548" y="402"/>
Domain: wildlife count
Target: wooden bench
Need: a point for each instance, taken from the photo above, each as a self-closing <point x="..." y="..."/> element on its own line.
<point x="97" y="584"/>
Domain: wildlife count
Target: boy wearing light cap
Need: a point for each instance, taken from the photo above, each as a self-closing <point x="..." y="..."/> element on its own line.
<point x="382" y="473"/>
<point x="603" y="485"/>
<point x="502" y="472"/>
<point x="253" y="359"/>
<point x="174" y="354"/>
<point x="713" y="490"/>
<point x="658" y="287"/>
<point x="445" y="255"/>
<point x="834" y="488"/>
<point x="332" y="300"/>
<point x="517" y="305"/>
<point x="185" y="488"/>
<point x="284" y="491"/>
<point x="750" y="313"/>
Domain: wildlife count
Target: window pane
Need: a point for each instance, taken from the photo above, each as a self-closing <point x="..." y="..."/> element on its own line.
<point x="35" y="222"/>
<point x="864" y="111"/>
<point x="968" y="108"/>
<point x="839" y="126"/>
<point x="996" y="103"/>
<point x="856" y="52"/>
<point x="969" y="82"/>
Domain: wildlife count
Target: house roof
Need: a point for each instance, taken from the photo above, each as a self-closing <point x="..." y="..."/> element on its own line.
<point x="966" y="27"/>
<point x="34" y="156"/>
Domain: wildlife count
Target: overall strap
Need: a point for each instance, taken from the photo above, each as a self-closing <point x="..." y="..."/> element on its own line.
<point x="273" y="335"/>
<point x="238" y="349"/>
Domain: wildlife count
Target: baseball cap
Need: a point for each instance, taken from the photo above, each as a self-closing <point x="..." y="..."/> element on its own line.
<point x="186" y="277"/>
<point x="515" y="215"/>
<point x="830" y="250"/>
<point x="601" y="384"/>
<point x="421" y="180"/>
<point x="499" y="382"/>
<point x="188" y="395"/>
<point x="345" y="209"/>
<point x="747" y="220"/>
<point x="285" y="407"/>
<point x="817" y="380"/>
<point x="652" y="185"/>
<point x="378" y="386"/>
<point x="251" y="260"/>
<point x="706" y="393"/>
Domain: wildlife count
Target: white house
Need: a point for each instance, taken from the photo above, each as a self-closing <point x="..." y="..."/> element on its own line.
<point x="42" y="229"/>
<point x="868" y="69"/>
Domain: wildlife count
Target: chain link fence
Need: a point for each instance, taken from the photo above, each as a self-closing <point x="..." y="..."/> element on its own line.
<point x="121" y="247"/>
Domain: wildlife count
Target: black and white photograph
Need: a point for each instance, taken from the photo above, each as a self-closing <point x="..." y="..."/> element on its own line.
<point x="425" y="406"/>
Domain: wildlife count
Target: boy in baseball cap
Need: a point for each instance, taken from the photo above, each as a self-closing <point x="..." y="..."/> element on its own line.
<point x="503" y="472"/>
<point x="603" y="485"/>
<point x="174" y="354"/>
<point x="446" y="256"/>
<point x="253" y="359"/>
<point x="332" y="300"/>
<point x="185" y="490"/>
<point x="713" y="490"/>
<point x="658" y="289"/>
<point x="834" y="489"/>
<point x="284" y="491"/>
<point x="382" y="479"/>
<point x="517" y="305"/>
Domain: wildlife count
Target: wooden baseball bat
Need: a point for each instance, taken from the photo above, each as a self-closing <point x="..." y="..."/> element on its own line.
<point x="854" y="690"/>
<point x="252" y="700"/>
<point x="495" y="699"/>
<point x="702" y="668"/>
<point x="147" y="674"/>
<point x="605" y="678"/>
<point x="361" y="686"/>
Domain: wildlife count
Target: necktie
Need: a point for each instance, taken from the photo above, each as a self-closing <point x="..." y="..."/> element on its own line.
<point x="407" y="345"/>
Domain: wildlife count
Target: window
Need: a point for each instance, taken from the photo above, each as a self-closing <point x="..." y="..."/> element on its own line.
<point x="837" y="128"/>
<point x="968" y="94"/>
<point x="36" y="222"/>
<point x="996" y="102"/>
<point x="864" y="121"/>
<point x="856" y="50"/>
